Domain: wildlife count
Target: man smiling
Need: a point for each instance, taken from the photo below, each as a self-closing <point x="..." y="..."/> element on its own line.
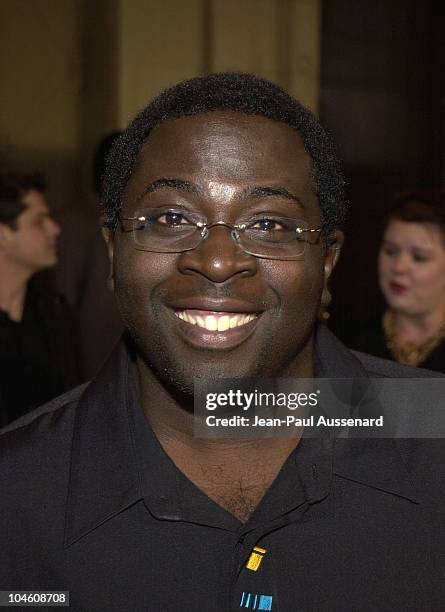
<point x="223" y="209"/>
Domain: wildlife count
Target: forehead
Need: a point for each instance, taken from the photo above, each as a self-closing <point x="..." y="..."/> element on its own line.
<point x="414" y="234"/>
<point x="229" y="149"/>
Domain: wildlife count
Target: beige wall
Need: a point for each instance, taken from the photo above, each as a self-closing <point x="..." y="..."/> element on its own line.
<point x="163" y="41"/>
<point x="73" y="70"/>
<point x="40" y="76"/>
<point x="160" y="43"/>
<point x="278" y="40"/>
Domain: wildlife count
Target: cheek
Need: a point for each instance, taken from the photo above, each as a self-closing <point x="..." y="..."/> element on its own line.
<point x="33" y="245"/>
<point x="136" y="275"/>
<point x="42" y="240"/>
<point x="430" y="278"/>
<point x="383" y="265"/>
<point x="298" y="285"/>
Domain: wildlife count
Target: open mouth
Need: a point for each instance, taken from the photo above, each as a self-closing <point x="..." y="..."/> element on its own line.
<point x="215" y="321"/>
<point x="397" y="289"/>
<point x="215" y="329"/>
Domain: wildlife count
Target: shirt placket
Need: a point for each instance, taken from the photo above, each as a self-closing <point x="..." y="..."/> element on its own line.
<point x="254" y="584"/>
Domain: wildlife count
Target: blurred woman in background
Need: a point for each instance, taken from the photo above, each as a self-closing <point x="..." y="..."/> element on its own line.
<point x="412" y="279"/>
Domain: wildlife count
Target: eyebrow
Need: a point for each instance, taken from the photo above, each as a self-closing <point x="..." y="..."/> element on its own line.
<point x="263" y="191"/>
<point x="171" y="183"/>
<point x="257" y="191"/>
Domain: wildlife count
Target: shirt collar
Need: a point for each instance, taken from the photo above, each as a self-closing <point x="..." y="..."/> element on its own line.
<point x="333" y="359"/>
<point x="105" y="475"/>
<point x="376" y="463"/>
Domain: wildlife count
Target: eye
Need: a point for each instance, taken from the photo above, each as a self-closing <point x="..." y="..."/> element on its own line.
<point x="268" y="224"/>
<point x="163" y="218"/>
<point x="390" y="251"/>
<point x="170" y="218"/>
<point x="420" y="258"/>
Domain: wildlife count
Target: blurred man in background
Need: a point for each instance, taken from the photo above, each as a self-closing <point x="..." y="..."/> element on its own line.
<point x="38" y="335"/>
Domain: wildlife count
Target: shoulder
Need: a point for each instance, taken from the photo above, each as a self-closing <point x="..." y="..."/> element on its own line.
<point x="436" y="359"/>
<point x="384" y="368"/>
<point x="35" y="459"/>
<point x="335" y="360"/>
<point x="41" y="432"/>
<point x="367" y="336"/>
<point x="35" y="471"/>
<point x="59" y="404"/>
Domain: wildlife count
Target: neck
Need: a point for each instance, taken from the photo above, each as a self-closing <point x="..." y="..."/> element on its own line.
<point x="418" y="328"/>
<point x="13" y="289"/>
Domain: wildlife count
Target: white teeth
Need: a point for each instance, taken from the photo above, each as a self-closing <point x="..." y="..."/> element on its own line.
<point x="233" y="321"/>
<point x="188" y="317"/>
<point x="223" y="323"/>
<point x="215" y="323"/>
<point x="211" y="323"/>
<point x="200" y="321"/>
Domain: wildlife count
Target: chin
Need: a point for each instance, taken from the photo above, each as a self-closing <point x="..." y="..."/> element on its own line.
<point x="48" y="262"/>
<point x="395" y="302"/>
<point x="405" y="310"/>
<point x="178" y="369"/>
<point x="181" y="373"/>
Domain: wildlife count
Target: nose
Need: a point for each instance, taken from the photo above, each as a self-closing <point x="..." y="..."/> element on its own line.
<point x="218" y="257"/>
<point x="53" y="228"/>
<point x="401" y="263"/>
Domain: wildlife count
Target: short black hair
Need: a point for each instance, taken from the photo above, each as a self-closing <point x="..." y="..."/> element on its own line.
<point x="12" y="189"/>
<point x="243" y="93"/>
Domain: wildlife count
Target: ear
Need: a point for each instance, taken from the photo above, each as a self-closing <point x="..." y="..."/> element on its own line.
<point x="332" y="254"/>
<point x="108" y="236"/>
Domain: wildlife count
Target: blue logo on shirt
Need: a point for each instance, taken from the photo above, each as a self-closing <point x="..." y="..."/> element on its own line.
<point x="252" y="601"/>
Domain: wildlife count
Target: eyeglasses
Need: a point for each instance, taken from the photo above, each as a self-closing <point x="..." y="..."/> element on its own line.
<point x="167" y="230"/>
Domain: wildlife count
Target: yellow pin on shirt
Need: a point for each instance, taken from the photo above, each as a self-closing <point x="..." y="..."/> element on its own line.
<point x="256" y="556"/>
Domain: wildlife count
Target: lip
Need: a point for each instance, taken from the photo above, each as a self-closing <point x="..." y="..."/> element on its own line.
<point x="198" y="337"/>
<point x="216" y="305"/>
<point x="397" y="289"/>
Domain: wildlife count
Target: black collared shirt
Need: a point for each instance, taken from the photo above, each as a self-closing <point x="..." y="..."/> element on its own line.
<point x="90" y="503"/>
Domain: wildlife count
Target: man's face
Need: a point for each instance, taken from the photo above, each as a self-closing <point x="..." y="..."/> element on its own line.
<point x="227" y="166"/>
<point x="32" y="245"/>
